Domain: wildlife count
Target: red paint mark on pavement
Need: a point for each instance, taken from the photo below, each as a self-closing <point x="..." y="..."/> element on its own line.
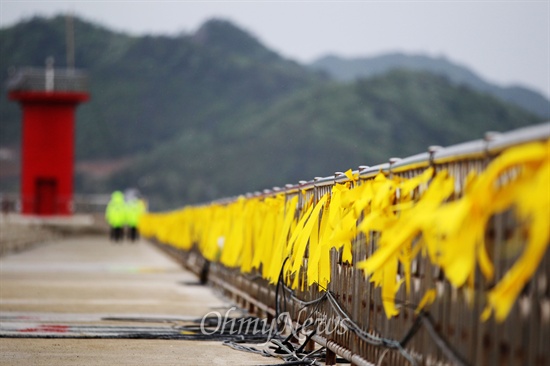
<point x="46" y="328"/>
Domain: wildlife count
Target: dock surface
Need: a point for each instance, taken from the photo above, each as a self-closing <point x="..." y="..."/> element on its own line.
<point x="87" y="301"/>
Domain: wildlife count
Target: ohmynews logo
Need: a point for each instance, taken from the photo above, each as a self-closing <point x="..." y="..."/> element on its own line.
<point x="231" y="325"/>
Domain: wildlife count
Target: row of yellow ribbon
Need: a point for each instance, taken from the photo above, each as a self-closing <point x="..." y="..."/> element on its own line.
<point x="421" y="216"/>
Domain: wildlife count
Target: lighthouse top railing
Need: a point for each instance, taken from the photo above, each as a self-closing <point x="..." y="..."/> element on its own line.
<point x="47" y="79"/>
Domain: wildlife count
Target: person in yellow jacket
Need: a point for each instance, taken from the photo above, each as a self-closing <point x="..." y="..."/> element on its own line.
<point x="134" y="209"/>
<point x="115" y="214"/>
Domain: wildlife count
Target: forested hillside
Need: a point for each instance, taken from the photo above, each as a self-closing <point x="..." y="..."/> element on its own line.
<point x="213" y="113"/>
<point x="322" y="130"/>
<point x="345" y="69"/>
<point x="145" y="89"/>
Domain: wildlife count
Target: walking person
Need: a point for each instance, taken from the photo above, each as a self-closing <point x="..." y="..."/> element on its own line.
<point x="115" y="214"/>
<point x="135" y="207"/>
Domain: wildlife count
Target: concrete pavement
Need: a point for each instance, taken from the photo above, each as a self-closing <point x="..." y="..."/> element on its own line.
<point x="71" y="301"/>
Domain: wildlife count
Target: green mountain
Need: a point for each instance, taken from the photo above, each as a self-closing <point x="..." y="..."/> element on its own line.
<point x="315" y="132"/>
<point x="146" y="88"/>
<point x="344" y="69"/>
<point x="201" y="116"/>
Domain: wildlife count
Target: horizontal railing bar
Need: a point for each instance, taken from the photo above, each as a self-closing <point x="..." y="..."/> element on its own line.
<point x="519" y="136"/>
<point x="492" y="144"/>
<point x="480" y="147"/>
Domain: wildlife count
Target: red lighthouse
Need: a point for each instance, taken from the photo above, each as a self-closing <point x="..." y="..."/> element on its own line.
<point x="48" y="98"/>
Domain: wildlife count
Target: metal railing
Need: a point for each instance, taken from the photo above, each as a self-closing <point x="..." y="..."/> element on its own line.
<point x="49" y="79"/>
<point x="450" y="330"/>
<point x="82" y="203"/>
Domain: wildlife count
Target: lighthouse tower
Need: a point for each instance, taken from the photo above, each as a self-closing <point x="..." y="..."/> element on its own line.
<point x="48" y="99"/>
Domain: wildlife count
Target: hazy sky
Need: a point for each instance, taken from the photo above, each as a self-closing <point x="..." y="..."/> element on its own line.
<point x="506" y="42"/>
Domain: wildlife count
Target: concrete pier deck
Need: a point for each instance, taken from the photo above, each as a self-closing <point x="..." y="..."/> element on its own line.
<point x="75" y="300"/>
